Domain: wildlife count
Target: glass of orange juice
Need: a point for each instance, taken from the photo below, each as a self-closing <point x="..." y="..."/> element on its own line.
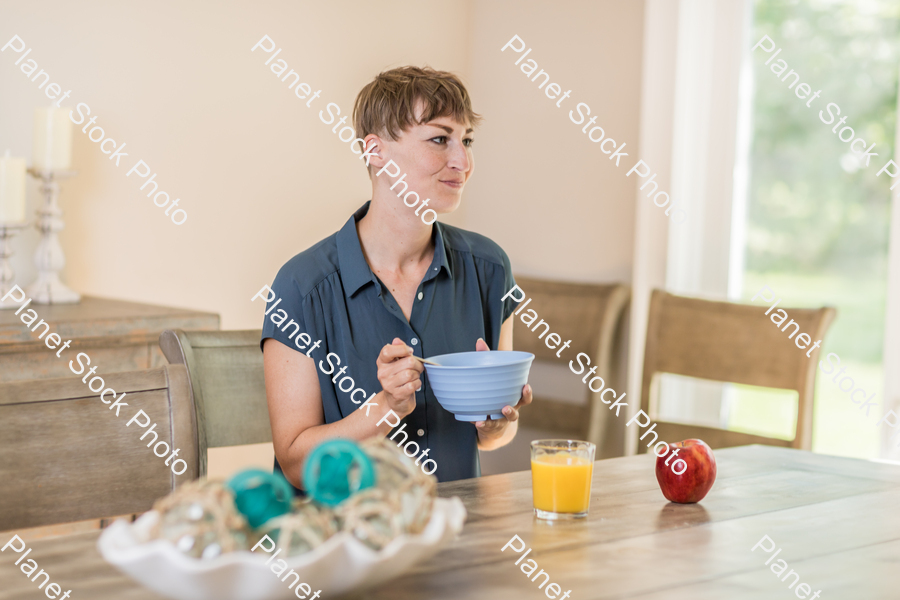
<point x="561" y="478"/>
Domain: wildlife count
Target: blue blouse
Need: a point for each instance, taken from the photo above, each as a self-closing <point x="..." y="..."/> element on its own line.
<point x="332" y="296"/>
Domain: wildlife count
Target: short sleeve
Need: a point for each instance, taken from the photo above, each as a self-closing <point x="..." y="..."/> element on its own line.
<point x="284" y="319"/>
<point x="509" y="282"/>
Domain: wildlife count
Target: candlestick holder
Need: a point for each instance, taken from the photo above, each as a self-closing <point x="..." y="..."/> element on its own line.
<point x="49" y="258"/>
<point x="7" y="275"/>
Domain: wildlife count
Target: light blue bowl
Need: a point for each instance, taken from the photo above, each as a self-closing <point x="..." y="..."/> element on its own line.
<point x="475" y="385"/>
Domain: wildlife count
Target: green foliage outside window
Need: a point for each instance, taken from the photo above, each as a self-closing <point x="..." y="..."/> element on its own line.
<point x="818" y="219"/>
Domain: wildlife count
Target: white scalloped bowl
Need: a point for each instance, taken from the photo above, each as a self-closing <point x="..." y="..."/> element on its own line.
<point x="340" y="565"/>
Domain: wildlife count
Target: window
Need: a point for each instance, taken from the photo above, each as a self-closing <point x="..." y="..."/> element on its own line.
<point x="817" y="220"/>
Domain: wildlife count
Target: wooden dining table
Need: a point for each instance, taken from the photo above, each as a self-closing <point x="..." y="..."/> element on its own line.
<point x="833" y="521"/>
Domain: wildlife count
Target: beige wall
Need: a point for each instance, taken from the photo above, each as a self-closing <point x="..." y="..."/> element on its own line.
<point x="559" y="206"/>
<point x="262" y="178"/>
<point x="260" y="175"/>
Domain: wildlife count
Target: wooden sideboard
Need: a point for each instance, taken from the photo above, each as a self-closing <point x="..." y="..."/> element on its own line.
<point x="118" y="336"/>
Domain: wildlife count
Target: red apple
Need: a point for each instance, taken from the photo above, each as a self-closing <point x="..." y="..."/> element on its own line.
<point x="690" y="483"/>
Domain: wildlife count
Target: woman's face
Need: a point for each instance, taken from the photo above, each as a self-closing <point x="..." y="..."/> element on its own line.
<point x="437" y="159"/>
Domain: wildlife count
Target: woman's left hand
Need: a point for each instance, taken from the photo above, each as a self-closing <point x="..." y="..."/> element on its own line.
<point x="491" y="429"/>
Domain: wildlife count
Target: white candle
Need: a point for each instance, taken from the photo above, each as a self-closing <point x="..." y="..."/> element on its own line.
<point x="12" y="189"/>
<point x="52" y="139"/>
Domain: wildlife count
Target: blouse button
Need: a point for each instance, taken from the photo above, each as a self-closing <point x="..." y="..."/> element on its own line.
<point x="414" y="341"/>
<point x="420" y="295"/>
<point x="421" y="432"/>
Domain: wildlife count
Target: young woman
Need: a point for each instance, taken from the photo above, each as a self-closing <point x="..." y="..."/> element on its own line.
<point x="387" y="286"/>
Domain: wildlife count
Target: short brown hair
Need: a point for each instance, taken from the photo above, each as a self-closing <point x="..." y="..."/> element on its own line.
<point x="386" y="106"/>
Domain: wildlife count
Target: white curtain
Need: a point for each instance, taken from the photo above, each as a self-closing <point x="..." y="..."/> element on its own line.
<point x="690" y="134"/>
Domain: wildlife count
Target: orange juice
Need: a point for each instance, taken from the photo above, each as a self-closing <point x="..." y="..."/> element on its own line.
<point x="561" y="483"/>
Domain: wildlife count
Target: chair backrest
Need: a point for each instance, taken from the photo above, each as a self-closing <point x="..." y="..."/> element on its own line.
<point x="66" y="457"/>
<point x="588" y="315"/>
<point x="228" y="387"/>
<point x="738" y="343"/>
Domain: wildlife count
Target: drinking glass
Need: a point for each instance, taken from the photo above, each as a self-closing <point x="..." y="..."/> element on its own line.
<point x="561" y="478"/>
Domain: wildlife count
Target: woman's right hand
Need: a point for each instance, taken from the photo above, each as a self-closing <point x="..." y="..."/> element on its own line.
<point x="399" y="374"/>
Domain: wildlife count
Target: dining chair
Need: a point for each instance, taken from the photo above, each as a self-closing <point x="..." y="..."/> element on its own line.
<point x="587" y="314"/>
<point x="729" y="342"/>
<point x="227" y="385"/>
<point x="65" y="456"/>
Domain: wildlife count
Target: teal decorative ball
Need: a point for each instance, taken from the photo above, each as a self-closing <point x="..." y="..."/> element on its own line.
<point x="261" y="496"/>
<point x="335" y="470"/>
